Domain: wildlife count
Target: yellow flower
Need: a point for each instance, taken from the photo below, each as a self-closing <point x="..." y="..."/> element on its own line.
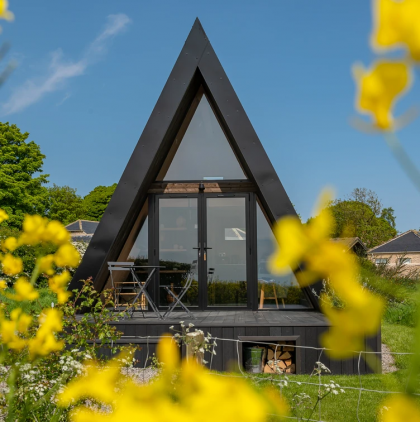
<point x="10" y="244"/>
<point x="401" y="408"/>
<point x="12" y="330"/>
<point x="67" y="256"/>
<point x="12" y="265"/>
<point x="58" y="284"/>
<point x="352" y="324"/>
<point x="56" y="233"/>
<point x="4" y="12"/>
<point x="396" y="24"/>
<point x="195" y="394"/>
<point x="378" y="88"/>
<point x="87" y="385"/>
<point x="3" y="285"/>
<point x="24" y="290"/>
<point x="46" y="264"/>
<point x="33" y="230"/>
<point x="45" y="341"/>
<point x="3" y="215"/>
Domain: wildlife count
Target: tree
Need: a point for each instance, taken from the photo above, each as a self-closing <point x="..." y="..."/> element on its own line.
<point x="96" y="201"/>
<point x="362" y="215"/>
<point x="63" y="204"/>
<point x="20" y="191"/>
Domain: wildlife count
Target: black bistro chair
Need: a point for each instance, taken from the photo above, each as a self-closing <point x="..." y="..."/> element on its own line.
<point x="177" y="297"/>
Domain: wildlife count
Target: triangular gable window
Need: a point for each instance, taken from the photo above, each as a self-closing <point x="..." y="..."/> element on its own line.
<point x="203" y="152"/>
<point x="275" y="291"/>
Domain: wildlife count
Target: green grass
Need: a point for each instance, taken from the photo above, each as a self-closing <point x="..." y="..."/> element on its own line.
<point x="341" y="407"/>
<point x="398" y="338"/>
<point x="46" y="297"/>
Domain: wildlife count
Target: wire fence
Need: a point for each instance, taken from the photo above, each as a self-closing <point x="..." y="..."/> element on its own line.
<point x="148" y="341"/>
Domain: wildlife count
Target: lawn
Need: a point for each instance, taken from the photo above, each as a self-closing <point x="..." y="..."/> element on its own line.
<point x="46" y="298"/>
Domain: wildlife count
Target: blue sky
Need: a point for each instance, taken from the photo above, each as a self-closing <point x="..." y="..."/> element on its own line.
<point x="90" y="73"/>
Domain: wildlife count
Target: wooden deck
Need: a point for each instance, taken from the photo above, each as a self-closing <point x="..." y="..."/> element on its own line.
<point x="304" y="328"/>
<point x="234" y="319"/>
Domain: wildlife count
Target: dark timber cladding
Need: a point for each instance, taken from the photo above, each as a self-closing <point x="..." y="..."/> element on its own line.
<point x="196" y="65"/>
<point x="303" y="327"/>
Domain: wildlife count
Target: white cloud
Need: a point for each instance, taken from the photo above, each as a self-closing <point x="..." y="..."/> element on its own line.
<point x="60" y="71"/>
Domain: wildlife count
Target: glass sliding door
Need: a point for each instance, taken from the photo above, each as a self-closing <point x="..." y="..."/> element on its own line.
<point x="178" y="240"/>
<point x="225" y="251"/>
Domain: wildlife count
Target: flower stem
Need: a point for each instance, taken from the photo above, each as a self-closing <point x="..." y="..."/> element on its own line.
<point x="403" y="159"/>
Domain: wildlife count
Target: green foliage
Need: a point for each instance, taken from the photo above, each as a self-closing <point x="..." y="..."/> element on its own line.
<point x="97" y="200"/>
<point x="28" y="254"/>
<point x="20" y="191"/>
<point x="63" y="204"/>
<point x="362" y="215"/>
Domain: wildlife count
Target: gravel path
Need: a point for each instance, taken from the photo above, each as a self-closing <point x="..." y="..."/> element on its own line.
<point x="388" y="362"/>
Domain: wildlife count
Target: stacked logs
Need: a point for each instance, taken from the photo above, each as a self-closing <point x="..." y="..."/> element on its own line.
<point x="279" y="359"/>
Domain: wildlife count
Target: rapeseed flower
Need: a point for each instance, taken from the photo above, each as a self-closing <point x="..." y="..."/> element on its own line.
<point x="67" y="256"/>
<point x="186" y="392"/>
<point x="46" y="264"/>
<point x="11" y="331"/>
<point x="58" y="284"/>
<point x="11" y="265"/>
<point x="5" y="13"/>
<point x="10" y="244"/>
<point x="400" y="408"/>
<point x="378" y="88"/>
<point x="23" y="290"/>
<point x="44" y="341"/>
<point x="396" y="24"/>
<point x="3" y="215"/>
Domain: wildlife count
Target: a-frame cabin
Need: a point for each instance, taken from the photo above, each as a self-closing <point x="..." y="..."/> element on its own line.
<point x="200" y="187"/>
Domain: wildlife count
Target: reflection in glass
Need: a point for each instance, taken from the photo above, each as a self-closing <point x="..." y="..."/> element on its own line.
<point x="139" y="253"/>
<point x="226" y="260"/>
<point x="281" y="292"/>
<point x="178" y="236"/>
<point x="204" y="152"/>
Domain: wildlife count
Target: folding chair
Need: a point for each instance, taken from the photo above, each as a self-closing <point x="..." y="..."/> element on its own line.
<point x="122" y="288"/>
<point x="182" y="291"/>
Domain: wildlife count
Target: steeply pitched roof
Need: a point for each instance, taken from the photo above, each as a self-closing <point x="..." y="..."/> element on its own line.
<point x="349" y="242"/>
<point x="82" y="230"/>
<point x="405" y="242"/>
<point x="197" y="65"/>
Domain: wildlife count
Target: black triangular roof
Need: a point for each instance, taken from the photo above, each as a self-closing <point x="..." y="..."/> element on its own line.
<point x="197" y="65"/>
<point x="405" y="242"/>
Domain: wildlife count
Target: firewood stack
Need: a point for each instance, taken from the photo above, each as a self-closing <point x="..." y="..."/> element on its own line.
<point x="279" y="360"/>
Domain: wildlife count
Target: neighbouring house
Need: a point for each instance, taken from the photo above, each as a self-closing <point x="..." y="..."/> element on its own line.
<point x="82" y="230"/>
<point x="403" y="249"/>
<point x="353" y="244"/>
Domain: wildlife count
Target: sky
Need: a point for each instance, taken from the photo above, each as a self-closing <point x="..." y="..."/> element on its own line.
<point x="90" y="72"/>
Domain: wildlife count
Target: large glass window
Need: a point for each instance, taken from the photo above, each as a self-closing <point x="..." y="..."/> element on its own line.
<point x="178" y="240"/>
<point x="204" y="152"/>
<point x="281" y="292"/>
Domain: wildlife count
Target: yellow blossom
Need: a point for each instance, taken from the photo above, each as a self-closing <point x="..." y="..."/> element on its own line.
<point x="11" y="330"/>
<point x="33" y="230"/>
<point x="12" y="265"/>
<point x="195" y="394"/>
<point x="5" y="13"/>
<point x="352" y="324"/>
<point x="401" y="408"/>
<point x="3" y="215"/>
<point x="58" y="284"/>
<point x="24" y="290"/>
<point x="46" y="264"/>
<point x="396" y="24"/>
<point x="67" y="256"/>
<point x="10" y="244"/>
<point x="45" y="341"/>
<point x="3" y="285"/>
<point x="56" y="233"/>
<point x="378" y="88"/>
